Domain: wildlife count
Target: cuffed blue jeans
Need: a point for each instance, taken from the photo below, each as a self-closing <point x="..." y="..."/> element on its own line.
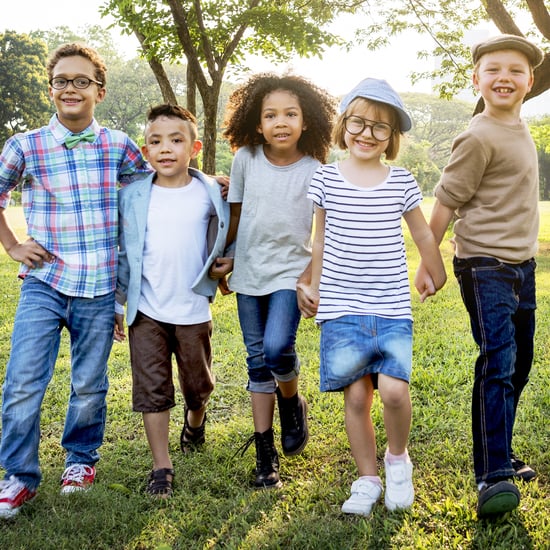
<point x="269" y="324"/>
<point x="41" y="314"/>
<point x="501" y="301"/>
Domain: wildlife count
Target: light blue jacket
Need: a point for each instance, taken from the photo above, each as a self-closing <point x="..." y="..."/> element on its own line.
<point x="133" y="206"/>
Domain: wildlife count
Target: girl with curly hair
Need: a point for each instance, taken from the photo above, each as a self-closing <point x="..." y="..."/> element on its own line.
<point x="280" y="128"/>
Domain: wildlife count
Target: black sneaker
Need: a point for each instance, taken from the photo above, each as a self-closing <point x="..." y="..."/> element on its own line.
<point x="497" y="498"/>
<point x="523" y="471"/>
<point x="294" y="430"/>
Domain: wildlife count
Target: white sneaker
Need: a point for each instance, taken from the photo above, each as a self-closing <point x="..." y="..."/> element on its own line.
<point x="364" y="494"/>
<point x="399" y="487"/>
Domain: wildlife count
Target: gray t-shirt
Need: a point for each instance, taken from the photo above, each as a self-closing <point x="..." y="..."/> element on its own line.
<point x="274" y="237"/>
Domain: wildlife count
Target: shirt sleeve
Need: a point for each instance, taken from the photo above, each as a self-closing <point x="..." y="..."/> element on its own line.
<point x="12" y="166"/>
<point x="462" y="176"/>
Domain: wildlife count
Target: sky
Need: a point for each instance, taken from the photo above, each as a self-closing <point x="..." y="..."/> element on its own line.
<point x="338" y="71"/>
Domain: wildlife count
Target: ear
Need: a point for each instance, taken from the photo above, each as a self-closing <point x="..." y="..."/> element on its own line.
<point x="100" y="95"/>
<point x="145" y="151"/>
<point x="475" y="80"/>
<point x="259" y="129"/>
<point x="195" y="150"/>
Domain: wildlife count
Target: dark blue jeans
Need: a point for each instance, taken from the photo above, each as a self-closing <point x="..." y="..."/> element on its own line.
<point x="500" y="299"/>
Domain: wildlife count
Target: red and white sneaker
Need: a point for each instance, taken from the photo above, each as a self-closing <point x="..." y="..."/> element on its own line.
<point x="78" y="477"/>
<point x="13" y="494"/>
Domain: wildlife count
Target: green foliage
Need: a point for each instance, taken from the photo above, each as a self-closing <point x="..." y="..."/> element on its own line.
<point x="447" y="23"/>
<point x="23" y="84"/>
<point x="214" y="506"/>
<point x="540" y="130"/>
<point x="214" y="36"/>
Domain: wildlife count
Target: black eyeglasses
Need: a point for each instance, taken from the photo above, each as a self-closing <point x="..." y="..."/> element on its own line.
<point x="356" y="125"/>
<point x="80" y="82"/>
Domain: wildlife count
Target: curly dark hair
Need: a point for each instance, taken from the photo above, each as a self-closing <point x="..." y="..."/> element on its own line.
<point x="73" y="49"/>
<point x="244" y="110"/>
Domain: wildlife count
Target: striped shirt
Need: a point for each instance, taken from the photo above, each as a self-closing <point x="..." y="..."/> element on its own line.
<point x="364" y="262"/>
<point x="70" y="201"/>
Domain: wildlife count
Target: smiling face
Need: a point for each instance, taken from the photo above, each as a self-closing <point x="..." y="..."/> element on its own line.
<point x="75" y="107"/>
<point x="503" y="77"/>
<point x="363" y="145"/>
<point x="169" y="147"/>
<point x="281" y="121"/>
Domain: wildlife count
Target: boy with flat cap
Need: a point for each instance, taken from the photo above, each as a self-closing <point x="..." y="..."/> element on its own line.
<point x="490" y="186"/>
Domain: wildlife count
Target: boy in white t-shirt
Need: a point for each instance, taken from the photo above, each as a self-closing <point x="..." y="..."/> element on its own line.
<point x="172" y="226"/>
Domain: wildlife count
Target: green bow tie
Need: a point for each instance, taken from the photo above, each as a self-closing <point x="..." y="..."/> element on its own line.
<point x="72" y="139"/>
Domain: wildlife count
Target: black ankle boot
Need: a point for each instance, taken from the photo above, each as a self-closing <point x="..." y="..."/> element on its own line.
<point x="294" y="430"/>
<point x="267" y="461"/>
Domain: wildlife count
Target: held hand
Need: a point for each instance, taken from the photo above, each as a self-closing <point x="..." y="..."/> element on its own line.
<point x="224" y="287"/>
<point x="308" y="300"/>
<point x="220" y="268"/>
<point x="424" y="283"/>
<point x="31" y="254"/>
<point x="120" y="335"/>
<point x="223" y="182"/>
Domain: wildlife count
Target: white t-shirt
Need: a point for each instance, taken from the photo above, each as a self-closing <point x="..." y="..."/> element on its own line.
<point x="364" y="261"/>
<point x="273" y="244"/>
<point x="174" y="253"/>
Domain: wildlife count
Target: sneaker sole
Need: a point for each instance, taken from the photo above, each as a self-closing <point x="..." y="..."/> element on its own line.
<point x="9" y="513"/>
<point x="498" y="500"/>
<point x="264" y="487"/>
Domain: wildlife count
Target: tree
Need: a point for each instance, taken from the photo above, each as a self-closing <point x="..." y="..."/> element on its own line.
<point x="447" y="22"/>
<point x="214" y="36"/>
<point x="540" y="130"/>
<point x="23" y="84"/>
<point x="437" y="122"/>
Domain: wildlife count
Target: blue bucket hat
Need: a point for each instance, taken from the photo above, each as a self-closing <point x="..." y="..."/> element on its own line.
<point x="381" y="91"/>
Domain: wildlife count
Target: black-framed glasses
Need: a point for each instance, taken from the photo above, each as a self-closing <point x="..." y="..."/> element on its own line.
<point x="80" y="82"/>
<point x="380" y="131"/>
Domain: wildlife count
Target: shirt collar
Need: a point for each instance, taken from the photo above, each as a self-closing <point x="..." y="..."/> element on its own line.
<point x="60" y="132"/>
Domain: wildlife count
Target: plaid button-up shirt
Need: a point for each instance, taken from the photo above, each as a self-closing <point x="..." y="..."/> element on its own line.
<point x="70" y="201"/>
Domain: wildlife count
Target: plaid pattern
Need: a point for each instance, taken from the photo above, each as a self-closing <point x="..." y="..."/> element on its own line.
<point x="70" y="201"/>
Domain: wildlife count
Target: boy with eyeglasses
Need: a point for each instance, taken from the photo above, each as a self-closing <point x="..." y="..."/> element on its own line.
<point x="69" y="171"/>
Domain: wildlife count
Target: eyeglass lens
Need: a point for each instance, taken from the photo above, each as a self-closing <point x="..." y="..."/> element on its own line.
<point x="380" y="130"/>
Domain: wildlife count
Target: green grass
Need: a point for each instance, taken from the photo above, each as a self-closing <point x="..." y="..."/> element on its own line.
<point x="214" y="505"/>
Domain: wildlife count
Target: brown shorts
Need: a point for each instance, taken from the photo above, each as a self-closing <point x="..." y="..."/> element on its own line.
<point x="152" y="344"/>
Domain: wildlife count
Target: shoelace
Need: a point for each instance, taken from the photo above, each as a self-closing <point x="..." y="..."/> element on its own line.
<point x="244" y="447"/>
<point x="77" y="472"/>
<point x="11" y="486"/>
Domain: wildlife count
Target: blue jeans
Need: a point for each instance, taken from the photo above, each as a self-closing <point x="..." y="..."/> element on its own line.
<point x="269" y="325"/>
<point x="41" y="314"/>
<point x="501" y="301"/>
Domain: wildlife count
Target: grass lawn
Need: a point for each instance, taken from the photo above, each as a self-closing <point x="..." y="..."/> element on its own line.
<point x="214" y="505"/>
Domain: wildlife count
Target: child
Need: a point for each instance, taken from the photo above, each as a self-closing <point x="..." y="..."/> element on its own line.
<point x="69" y="170"/>
<point x="360" y="283"/>
<point x="281" y="127"/>
<point x="169" y="223"/>
<point x="491" y="186"/>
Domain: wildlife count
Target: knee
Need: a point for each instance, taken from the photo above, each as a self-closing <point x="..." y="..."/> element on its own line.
<point x="395" y="395"/>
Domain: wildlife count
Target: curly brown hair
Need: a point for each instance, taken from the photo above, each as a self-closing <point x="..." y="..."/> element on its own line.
<point x="244" y="110"/>
<point x="74" y="48"/>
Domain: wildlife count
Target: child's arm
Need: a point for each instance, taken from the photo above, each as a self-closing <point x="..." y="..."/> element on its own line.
<point x="223" y="266"/>
<point x="439" y="221"/>
<point x="29" y="252"/>
<point x="308" y="293"/>
<point x="433" y="276"/>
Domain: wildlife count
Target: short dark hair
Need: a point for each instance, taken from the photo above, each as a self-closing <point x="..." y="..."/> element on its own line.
<point x="73" y="49"/>
<point x="174" y="111"/>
